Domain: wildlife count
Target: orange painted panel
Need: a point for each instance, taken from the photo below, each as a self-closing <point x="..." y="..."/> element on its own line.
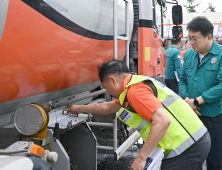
<point x="38" y="56"/>
<point x="150" y="51"/>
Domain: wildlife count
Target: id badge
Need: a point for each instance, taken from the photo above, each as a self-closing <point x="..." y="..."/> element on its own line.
<point x="125" y="116"/>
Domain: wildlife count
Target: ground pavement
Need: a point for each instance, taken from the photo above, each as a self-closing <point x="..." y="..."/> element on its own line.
<point x="107" y="162"/>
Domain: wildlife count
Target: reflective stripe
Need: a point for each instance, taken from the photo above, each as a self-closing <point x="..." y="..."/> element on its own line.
<point x="126" y="105"/>
<point x="170" y="100"/>
<point x="200" y="133"/>
<point x="142" y="124"/>
<point x="187" y="143"/>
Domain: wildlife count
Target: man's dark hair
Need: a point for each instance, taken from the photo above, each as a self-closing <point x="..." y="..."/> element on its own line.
<point x="112" y="67"/>
<point x="201" y="24"/>
<point x="175" y="41"/>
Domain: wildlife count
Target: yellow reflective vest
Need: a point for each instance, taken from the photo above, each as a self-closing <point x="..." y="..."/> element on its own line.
<point x="185" y="128"/>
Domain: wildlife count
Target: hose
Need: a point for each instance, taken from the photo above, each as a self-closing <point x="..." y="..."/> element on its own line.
<point x="12" y="151"/>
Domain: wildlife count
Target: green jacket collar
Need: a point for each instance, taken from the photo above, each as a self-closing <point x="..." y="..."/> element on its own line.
<point x="172" y="46"/>
<point x="214" y="48"/>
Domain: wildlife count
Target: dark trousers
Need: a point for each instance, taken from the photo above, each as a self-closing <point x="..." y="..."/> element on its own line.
<point x="214" y="126"/>
<point x="192" y="158"/>
<point x="173" y="85"/>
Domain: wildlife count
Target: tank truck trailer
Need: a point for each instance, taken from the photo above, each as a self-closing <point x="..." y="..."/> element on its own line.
<point x="49" y="51"/>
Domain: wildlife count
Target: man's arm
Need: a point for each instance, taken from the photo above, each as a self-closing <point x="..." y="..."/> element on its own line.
<point x="183" y="85"/>
<point x="183" y="88"/>
<point x="214" y="93"/>
<point x="211" y="95"/>
<point x="159" y="126"/>
<point x="101" y="108"/>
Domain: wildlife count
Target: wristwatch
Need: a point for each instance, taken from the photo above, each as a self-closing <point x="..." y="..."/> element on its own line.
<point x="196" y="103"/>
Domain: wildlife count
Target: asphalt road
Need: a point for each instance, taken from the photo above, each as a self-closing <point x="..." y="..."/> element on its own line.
<point x="107" y="162"/>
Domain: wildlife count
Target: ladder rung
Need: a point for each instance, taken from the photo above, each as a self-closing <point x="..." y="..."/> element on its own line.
<point x="100" y="124"/>
<point x="105" y="147"/>
<point x="122" y="38"/>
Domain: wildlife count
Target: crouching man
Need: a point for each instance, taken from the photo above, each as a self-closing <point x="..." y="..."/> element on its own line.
<point x="161" y="116"/>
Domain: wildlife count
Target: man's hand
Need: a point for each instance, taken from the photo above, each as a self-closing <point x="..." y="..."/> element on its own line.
<point x="138" y="164"/>
<point x="197" y="111"/>
<point x="191" y="104"/>
<point x="74" y="109"/>
<point x="186" y="99"/>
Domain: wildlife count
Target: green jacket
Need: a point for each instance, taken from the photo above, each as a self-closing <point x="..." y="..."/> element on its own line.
<point x="173" y="62"/>
<point x="205" y="80"/>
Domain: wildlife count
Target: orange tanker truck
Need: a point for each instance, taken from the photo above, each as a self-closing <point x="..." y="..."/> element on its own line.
<point x="49" y="53"/>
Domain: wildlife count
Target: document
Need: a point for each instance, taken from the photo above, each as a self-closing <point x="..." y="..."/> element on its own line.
<point x="157" y="156"/>
<point x="176" y="75"/>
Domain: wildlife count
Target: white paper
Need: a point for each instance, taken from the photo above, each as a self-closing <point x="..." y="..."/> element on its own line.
<point x="157" y="165"/>
<point x="157" y="156"/>
<point x="176" y="74"/>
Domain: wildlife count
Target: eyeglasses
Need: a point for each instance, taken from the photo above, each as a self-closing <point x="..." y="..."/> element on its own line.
<point x="194" y="40"/>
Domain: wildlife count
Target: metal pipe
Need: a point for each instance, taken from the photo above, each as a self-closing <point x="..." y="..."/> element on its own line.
<point x="127" y="30"/>
<point x="105" y="147"/>
<point x="56" y="105"/>
<point x="126" y="145"/>
<point x="115" y="131"/>
<point x="162" y="25"/>
<point x="115" y="30"/>
<point x="100" y="124"/>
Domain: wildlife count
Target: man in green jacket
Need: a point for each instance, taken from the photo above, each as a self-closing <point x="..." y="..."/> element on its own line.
<point x="201" y="83"/>
<point x="173" y="65"/>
